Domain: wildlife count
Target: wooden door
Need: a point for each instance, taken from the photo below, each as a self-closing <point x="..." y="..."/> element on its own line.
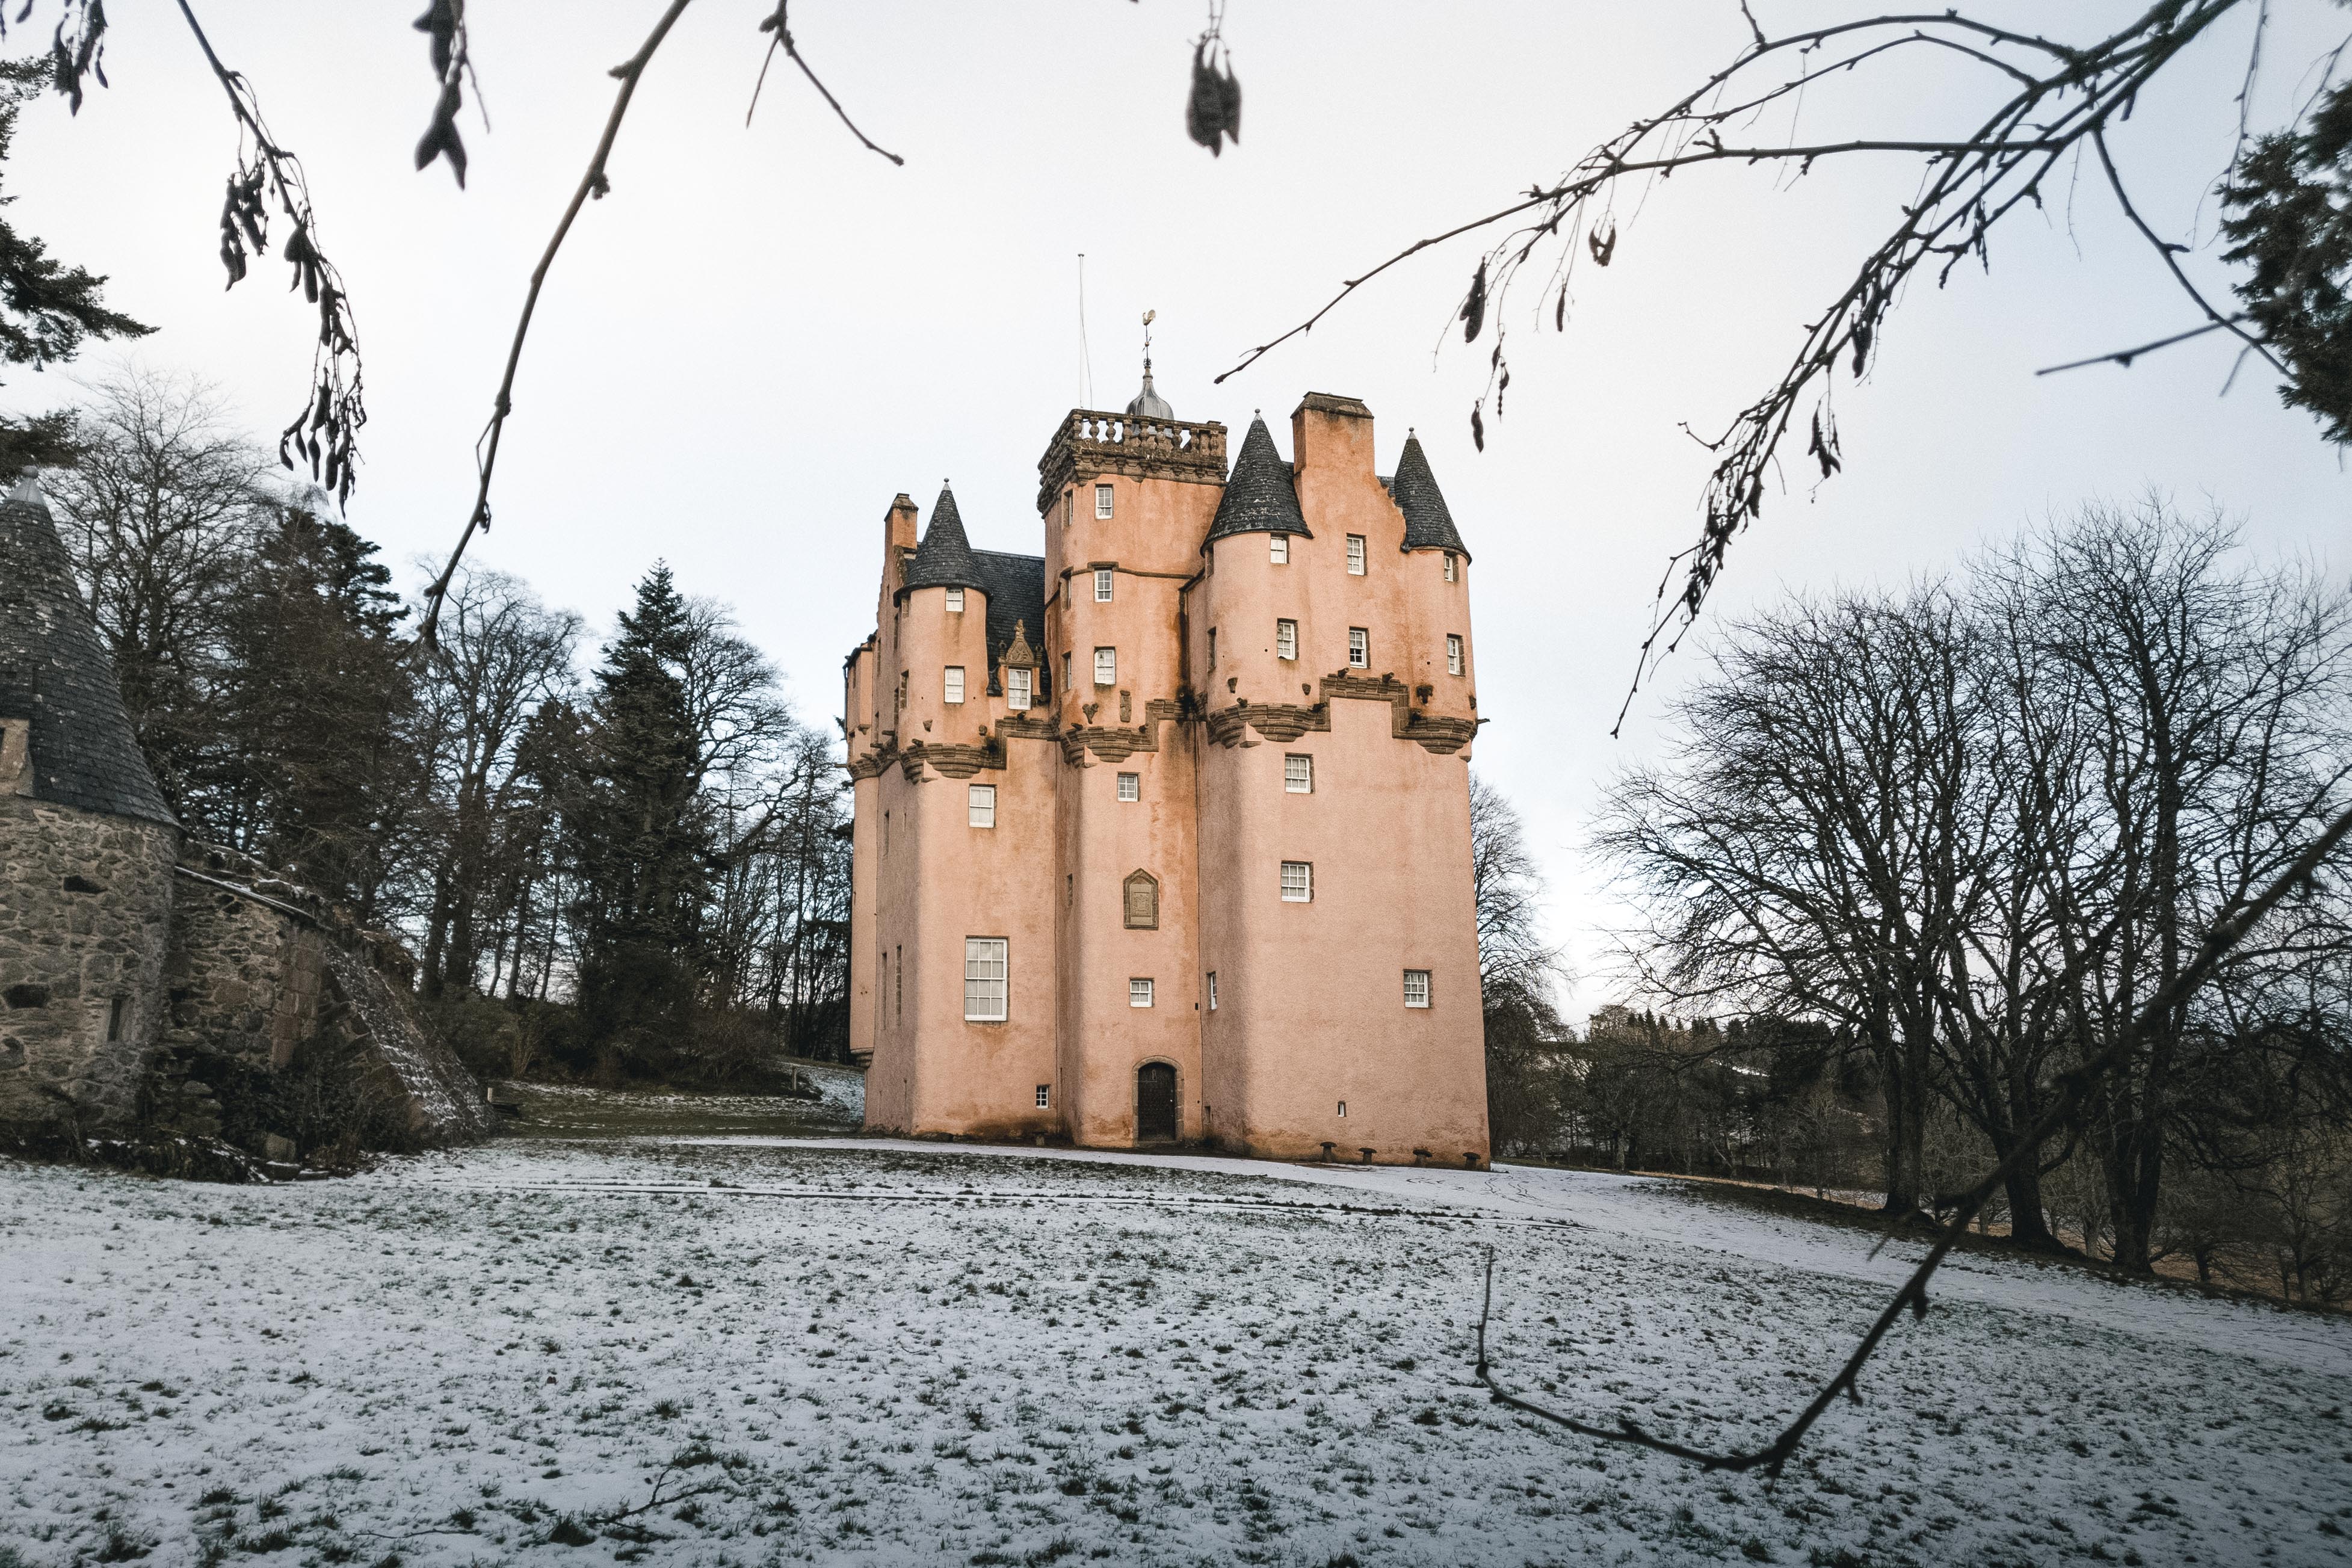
<point x="1155" y="1102"/>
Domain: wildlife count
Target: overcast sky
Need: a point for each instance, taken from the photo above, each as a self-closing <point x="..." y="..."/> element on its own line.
<point x="763" y="335"/>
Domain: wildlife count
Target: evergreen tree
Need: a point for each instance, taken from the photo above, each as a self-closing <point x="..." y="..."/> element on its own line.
<point x="640" y="838"/>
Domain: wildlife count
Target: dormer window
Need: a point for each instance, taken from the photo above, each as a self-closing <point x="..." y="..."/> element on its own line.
<point x="955" y="601"/>
<point x="1355" y="555"/>
<point x="1279" y="544"/>
<point x="1103" y="494"/>
<point x="1016" y="689"/>
<point x="1102" y="584"/>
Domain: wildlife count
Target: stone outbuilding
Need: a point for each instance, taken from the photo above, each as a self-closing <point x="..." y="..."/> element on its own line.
<point x="148" y="982"/>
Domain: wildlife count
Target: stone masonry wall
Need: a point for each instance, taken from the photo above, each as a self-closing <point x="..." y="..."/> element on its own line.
<point x="85" y="904"/>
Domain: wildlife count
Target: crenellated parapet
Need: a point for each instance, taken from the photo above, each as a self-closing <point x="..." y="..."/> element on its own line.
<point x="1091" y="444"/>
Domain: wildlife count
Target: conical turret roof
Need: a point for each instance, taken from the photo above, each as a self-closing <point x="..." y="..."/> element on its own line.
<point x="1259" y="494"/>
<point x="55" y="671"/>
<point x="1428" y="525"/>
<point x="943" y="560"/>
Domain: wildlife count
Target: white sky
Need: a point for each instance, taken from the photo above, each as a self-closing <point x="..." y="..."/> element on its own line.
<point x="763" y="335"/>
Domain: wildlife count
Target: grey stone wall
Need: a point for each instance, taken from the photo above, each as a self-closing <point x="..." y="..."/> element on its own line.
<point x="85" y="907"/>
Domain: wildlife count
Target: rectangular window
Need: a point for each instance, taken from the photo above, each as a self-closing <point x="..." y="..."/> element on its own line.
<point x="114" y="1018"/>
<point x="1278" y="546"/>
<point x="1130" y="786"/>
<point x="955" y="601"/>
<point x="1416" y="988"/>
<point x="984" y="967"/>
<point x="1066" y="509"/>
<point x="1102" y="584"/>
<point x="1343" y="1107"/>
<point x="955" y="683"/>
<point x="1212" y="647"/>
<point x="1359" y="647"/>
<point x="1355" y="555"/>
<point x="899" y="985"/>
<point x="1452" y="654"/>
<point x="1286" y="639"/>
<point x="1139" y="993"/>
<point x="1065" y="670"/>
<point x="979" y="808"/>
<point x="1102" y="500"/>
<point x="1016" y="689"/>
<point x="1106" y="667"/>
<point x="1449" y="566"/>
<point x="1044" y="1097"/>
<point x="1212" y="991"/>
<point x="1298" y="883"/>
<point x="1298" y="773"/>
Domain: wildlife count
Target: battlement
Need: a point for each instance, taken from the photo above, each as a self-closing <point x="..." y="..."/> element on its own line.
<point x="1091" y="443"/>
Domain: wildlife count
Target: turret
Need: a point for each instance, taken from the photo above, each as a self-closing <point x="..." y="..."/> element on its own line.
<point x="943" y="663"/>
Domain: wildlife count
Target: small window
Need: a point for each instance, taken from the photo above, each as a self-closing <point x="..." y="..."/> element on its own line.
<point x="1452" y="654"/>
<point x="1130" y="786"/>
<point x="1102" y="500"/>
<point x="899" y="985"/>
<point x="1355" y="555"/>
<point x="1066" y="509"/>
<point x="1212" y="991"/>
<point x="979" y="808"/>
<point x="1102" y="584"/>
<point x="1298" y="773"/>
<point x="1278" y="545"/>
<point x="114" y="1018"/>
<point x="1449" y="566"/>
<point x="1343" y="1107"/>
<point x="1286" y="639"/>
<point x="985" y="976"/>
<point x="1359" y="647"/>
<point x="1212" y="647"/>
<point x="1016" y="689"/>
<point x="1065" y="670"/>
<point x="1416" y="988"/>
<point x="1298" y="883"/>
<point x="1142" y="901"/>
<point x="1106" y="667"/>
<point x="885" y="833"/>
<point x="1044" y="1097"/>
<point x="955" y="601"/>
<point x="955" y="683"/>
<point x="1139" y="992"/>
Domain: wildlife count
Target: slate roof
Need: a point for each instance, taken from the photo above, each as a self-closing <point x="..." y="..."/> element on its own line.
<point x="1015" y="586"/>
<point x="1259" y="494"/>
<point x="55" y="671"/>
<point x="943" y="560"/>
<point x="1428" y="525"/>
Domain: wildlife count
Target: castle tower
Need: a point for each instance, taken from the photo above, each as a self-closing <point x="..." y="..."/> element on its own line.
<point x="1195" y="868"/>
<point x="86" y="847"/>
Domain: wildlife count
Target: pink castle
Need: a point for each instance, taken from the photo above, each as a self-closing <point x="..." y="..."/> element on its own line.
<point x="1164" y="836"/>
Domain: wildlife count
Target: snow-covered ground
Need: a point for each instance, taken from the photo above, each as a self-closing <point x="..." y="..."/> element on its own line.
<point x="738" y="1350"/>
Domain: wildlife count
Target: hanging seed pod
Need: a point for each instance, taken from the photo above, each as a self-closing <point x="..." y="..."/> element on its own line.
<point x="1477" y="427"/>
<point x="1474" y="309"/>
<point x="1204" y="108"/>
<point x="1231" y="88"/>
<point x="1603" y="242"/>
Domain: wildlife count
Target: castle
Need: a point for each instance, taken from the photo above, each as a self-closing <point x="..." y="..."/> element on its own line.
<point x="1164" y="835"/>
<point x="148" y="983"/>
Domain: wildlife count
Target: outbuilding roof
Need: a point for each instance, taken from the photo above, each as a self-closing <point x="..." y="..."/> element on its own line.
<point x="1260" y="497"/>
<point x="55" y="671"/>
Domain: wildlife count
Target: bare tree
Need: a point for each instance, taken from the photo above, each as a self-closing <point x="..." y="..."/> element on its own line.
<point x="1518" y="974"/>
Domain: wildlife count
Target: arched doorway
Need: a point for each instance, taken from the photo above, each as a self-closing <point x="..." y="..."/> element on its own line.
<point x="1155" y="1103"/>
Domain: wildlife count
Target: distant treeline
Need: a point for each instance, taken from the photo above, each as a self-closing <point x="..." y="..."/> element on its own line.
<point x="1937" y="848"/>
<point x="637" y="871"/>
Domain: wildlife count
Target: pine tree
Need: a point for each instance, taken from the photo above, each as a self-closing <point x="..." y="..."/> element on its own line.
<point x="641" y="838"/>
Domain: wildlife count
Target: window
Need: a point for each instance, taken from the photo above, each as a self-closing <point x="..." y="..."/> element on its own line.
<point x="898" y="984"/>
<point x="1102" y="500"/>
<point x="1359" y="647"/>
<point x="1142" y="901"/>
<point x="1106" y="667"/>
<point x="1016" y="689"/>
<point x="1343" y="1107"/>
<point x="1298" y="883"/>
<point x="955" y="683"/>
<point x="1130" y="786"/>
<point x="1066" y="509"/>
<point x="114" y="1018"/>
<point x="980" y="808"/>
<point x="1298" y="773"/>
<point x="1065" y="670"/>
<point x="1286" y="639"/>
<point x="1355" y="555"/>
<point x="1278" y="545"/>
<point x="885" y="833"/>
<point x="1044" y="1097"/>
<point x="984" y="965"/>
<point x="1139" y="992"/>
<point x="1452" y="654"/>
<point x="902" y="693"/>
<point x="1212" y="647"/>
<point x="1102" y="584"/>
<point x="1449" y="566"/>
<point x="1212" y="991"/>
<point x="955" y="601"/>
<point x="1416" y="988"/>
